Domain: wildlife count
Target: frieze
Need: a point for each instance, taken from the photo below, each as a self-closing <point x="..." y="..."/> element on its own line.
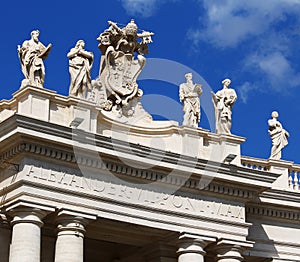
<point x="122" y="169"/>
<point x="134" y="195"/>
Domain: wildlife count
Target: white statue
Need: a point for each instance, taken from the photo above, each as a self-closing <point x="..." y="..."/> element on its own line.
<point x="223" y="101"/>
<point x="119" y="67"/>
<point x="80" y="64"/>
<point x="189" y="94"/>
<point x="31" y="54"/>
<point x="278" y="135"/>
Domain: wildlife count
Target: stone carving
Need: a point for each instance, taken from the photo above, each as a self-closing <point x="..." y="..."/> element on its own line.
<point x="118" y="67"/>
<point x="31" y="55"/>
<point x="278" y="135"/>
<point x="189" y="94"/>
<point x="80" y="64"/>
<point x="223" y="101"/>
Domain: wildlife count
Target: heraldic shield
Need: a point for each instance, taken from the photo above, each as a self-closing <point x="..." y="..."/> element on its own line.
<point x="120" y="75"/>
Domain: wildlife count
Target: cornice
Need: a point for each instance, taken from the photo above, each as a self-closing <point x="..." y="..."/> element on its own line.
<point x="278" y="212"/>
<point x="282" y="195"/>
<point x="228" y="180"/>
<point x="122" y="169"/>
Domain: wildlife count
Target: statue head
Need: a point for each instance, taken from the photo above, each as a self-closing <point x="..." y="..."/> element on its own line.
<point x="35" y="34"/>
<point x="80" y="43"/>
<point x="188" y="76"/>
<point x="226" y="82"/>
<point x="104" y="38"/>
<point x="131" y="28"/>
<point x="275" y="114"/>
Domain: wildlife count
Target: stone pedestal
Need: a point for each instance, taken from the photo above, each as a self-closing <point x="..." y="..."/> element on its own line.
<point x="26" y="235"/>
<point x="191" y="248"/>
<point x="280" y="167"/>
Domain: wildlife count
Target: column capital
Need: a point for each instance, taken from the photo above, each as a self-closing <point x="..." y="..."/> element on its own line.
<point x="71" y="222"/>
<point x="190" y="243"/>
<point x="230" y="250"/>
<point x="26" y="234"/>
<point x="26" y="212"/>
<point x="70" y="237"/>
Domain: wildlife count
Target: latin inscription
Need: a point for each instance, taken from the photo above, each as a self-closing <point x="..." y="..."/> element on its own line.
<point x="136" y="195"/>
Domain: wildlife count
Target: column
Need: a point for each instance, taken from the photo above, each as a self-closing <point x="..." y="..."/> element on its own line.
<point x="230" y="250"/>
<point x="70" y="237"/>
<point x="5" y="235"/>
<point x="26" y="234"/>
<point x="191" y="247"/>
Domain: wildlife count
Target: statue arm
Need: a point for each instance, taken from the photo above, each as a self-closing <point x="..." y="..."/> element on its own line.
<point x="215" y="97"/>
<point x="232" y="98"/>
<point x="181" y="93"/>
<point x="114" y="26"/>
<point x="287" y="134"/>
<point x="198" y="89"/>
<point x="73" y="52"/>
<point x="274" y="127"/>
<point x="86" y="54"/>
<point x="144" y="34"/>
<point x="23" y="48"/>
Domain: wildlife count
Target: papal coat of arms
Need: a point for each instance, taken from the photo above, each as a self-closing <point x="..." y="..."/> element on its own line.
<point x="122" y="61"/>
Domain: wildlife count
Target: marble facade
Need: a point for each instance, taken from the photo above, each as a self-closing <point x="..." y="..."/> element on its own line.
<point x="92" y="177"/>
<point x="78" y="186"/>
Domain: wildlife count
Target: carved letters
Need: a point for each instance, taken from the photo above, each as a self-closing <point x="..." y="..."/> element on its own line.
<point x="136" y="195"/>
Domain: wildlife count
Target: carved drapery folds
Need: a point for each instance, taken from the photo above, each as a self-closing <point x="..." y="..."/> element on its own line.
<point x="31" y="55"/>
<point x="223" y="101"/>
<point x="278" y="135"/>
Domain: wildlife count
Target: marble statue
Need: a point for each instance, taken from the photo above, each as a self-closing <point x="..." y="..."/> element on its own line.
<point x="122" y="61"/>
<point x="31" y="55"/>
<point x="189" y="94"/>
<point x="278" y="135"/>
<point x="80" y="64"/>
<point x="223" y="101"/>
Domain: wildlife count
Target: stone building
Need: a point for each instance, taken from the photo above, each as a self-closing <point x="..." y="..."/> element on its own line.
<point x="79" y="186"/>
<point x="81" y="182"/>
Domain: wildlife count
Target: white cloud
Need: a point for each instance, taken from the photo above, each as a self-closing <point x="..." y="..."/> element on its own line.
<point x="229" y="22"/>
<point x="145" y="8"/>
<point x="139" y="7"/>
<point x="271" y="28"/>
<point x="245" y="89"/>
<point x="276" y="68"/>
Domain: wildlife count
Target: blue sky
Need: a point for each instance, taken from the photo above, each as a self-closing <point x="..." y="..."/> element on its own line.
<point x="254" y="43"/>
